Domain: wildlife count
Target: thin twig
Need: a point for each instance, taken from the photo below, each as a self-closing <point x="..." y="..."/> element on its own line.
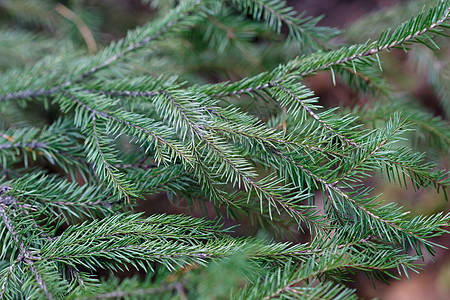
<point x="81" y="25"/>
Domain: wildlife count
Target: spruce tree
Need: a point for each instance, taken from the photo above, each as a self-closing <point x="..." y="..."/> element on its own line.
<point x="207" y="103"/>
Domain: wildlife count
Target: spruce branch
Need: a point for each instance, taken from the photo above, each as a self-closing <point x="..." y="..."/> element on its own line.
<point x="310" y="64"/>
<point x="137" y="40"/>
<point x="314" y="115"/>
<point x="294" y="279"/>
<point x="276" y="12"/>
<point x="7" y="277"/>
<point x="407" y="32"/>
<point x="363" y="207"/>
<point x="32" y="145"/>
<point x="303" y="66"/>
<point x="120" y="94"/>
<point x="133" y="123"/>
<point x="87" y="132"/>
<point x="28" y="94"/>
<point x="111" y="171"/>
<point x="24" y="254"/>
<point x="430" y="125"/>
<point x="404" y="162"/>
<point x="59" y="198"/>
<point x="237" y="170"/>
<point x="137" y="292"/>
<point x="363" y="160"/>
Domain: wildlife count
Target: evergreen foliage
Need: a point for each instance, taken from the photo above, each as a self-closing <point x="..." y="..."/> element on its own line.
<point x="83" y="137"/>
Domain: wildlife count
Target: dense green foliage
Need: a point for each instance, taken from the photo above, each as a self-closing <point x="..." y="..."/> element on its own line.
<point x="207" y="103"/>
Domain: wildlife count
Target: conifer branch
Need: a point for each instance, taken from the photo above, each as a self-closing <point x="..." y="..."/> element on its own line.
<point x="440" y="179"/>
<point x="127" y="50"/>
<point x="244" y="177"/>
<point x="24" y="255"/>
<point x="5" y="281"/>
<point x="28" y="94"/>
<point x="136" y="293"/>
<point x="288" y="287"/>
<point x="158" y="138"/>
<point x="185" y="9"/>
<point x="359" y="163"/>
<point x="314" y="115"/>
<point x="306" y="65"/>
<point x="105" y="164"/>
<point x="31" y="145"/>
<point x="117" y="132"/>
<point x="124" y="93"/>
<point x="329" y="187"/>
<point x="384" y="43"/>
<point x="276" y="12"/>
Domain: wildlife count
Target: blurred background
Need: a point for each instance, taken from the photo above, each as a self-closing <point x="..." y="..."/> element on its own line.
<point x="89" y="25"/>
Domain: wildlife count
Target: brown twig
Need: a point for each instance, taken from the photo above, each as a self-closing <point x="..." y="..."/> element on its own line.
<point x="80" y="24"/>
